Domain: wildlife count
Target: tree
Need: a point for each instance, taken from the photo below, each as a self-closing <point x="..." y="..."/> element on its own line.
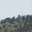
<point x="8" y="19"/>
<point x="18" y="18"/>
<point x="13" y="19"/>
<point x="5" y="30"/>
<point x="23" y="18"/>
<point x="27" y="21"/>
<point x="2" y="21"/>
<point x="0" y="28"/>
<point x="3" y="26"/>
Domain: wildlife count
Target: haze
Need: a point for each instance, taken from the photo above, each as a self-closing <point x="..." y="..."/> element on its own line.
<point x="10" y="8"/>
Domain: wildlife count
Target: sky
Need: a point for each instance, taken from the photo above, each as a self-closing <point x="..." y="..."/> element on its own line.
<point x="10" y="8"/>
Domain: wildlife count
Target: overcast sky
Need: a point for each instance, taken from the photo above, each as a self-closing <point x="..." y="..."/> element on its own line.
<point x="10" y="8"/>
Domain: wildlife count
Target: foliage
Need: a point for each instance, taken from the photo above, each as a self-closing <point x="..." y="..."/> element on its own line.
<point x="27" y="20"/>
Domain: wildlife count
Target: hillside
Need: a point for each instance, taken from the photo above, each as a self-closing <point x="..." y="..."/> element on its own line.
<point x="19" y="24"/>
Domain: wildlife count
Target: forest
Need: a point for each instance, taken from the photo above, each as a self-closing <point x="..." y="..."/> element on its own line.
<point x="16" y="24"/>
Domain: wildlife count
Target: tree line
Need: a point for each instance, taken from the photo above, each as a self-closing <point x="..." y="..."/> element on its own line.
<point x="26" y="19"/>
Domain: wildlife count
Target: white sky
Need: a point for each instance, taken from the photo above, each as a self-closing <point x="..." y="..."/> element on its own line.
<point x="10" y="8"/>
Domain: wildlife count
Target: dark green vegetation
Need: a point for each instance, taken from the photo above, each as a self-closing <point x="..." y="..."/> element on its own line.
<point x="18" y="24"/>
